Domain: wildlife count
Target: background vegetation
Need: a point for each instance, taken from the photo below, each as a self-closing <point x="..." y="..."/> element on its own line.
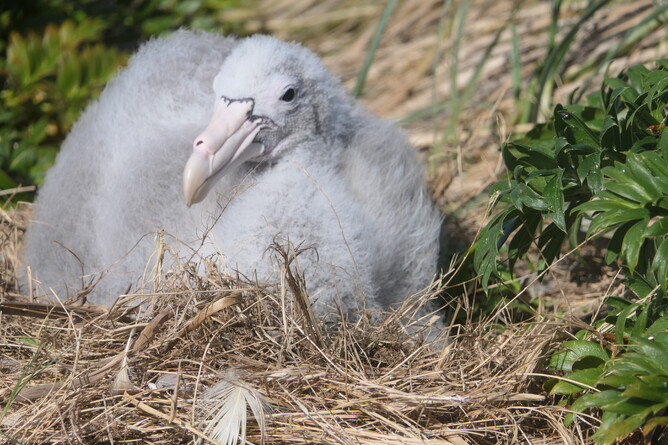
<point x="597" y="170"/>
<point x="58" y="55"/>
<point x="581" y="181"/>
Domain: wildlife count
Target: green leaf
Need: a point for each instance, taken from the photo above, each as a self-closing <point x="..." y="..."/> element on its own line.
<point x="654" y="422"/>
<point x="620" y="429"/>
<point x="524" y="236"/>
<point x="486" y="249"/>
<point x="157" y="25"/>
<point x="597" y="400"/>
<point x="640" y="323"/>
<point x="610" y="133"/>
<point x="614" y="248"/>
<point x="5" y="181"/>
<point x="627" y="406"/>
<point x="574" y="350"/>
<point x="588" y="378"/>
<point x="657" y="227"/>
<point x="640" y="286"/>
<point x="663" y="144"/>
<point x="605" y="205"/>
<point x="657" y="165"/>
<point x="655" y="351"/>
<point x="523" y="195"/>
<point x="589" y="166"/>
<point x="607" y="220"/>
<point x="633" y="240"/>
<point x="658" y="328"/>
<point x="620" y="325"/>
<point x="550" y="242"/>
<point x="516" y="154"/>
<point x="629" y="190"/>
<point x="653" y="388"/>
<point x="643" y="177"/>
<point x="617" y="379"/>
<point x="554" y="197"/>
<point x="581" y="133"/>
<point x="23" y="158"/>
<point x="660" y="263"/>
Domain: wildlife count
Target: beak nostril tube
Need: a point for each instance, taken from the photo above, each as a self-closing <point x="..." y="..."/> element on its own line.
<point x="226" y="143"/>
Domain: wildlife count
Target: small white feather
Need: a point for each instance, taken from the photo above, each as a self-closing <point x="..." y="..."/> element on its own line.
<point x="225" y="410"/>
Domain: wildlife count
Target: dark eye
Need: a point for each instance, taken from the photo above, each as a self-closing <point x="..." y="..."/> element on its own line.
<point x="289" y="94"/>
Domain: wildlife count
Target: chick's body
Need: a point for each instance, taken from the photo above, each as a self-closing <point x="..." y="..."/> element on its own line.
<point x="322" y="174"/>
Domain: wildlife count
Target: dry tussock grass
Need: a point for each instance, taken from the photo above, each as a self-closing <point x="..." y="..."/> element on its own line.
<point x="84" y="374"/>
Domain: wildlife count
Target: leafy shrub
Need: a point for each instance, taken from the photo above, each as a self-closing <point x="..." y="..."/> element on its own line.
<point x="598" y="163"/>
<point x="630" y="389"/>
<point x="599" y="167"/>
<point x="154" y="17"/>
<point x="49" y="78"/>
<point x="125" y="22"/>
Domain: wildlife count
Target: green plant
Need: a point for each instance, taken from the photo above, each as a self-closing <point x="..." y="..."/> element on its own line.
<point x="126" y="22"/>
<point x="630" y="389"/>
<point x="373" y="47"/>
<point x="49" y="78"/>
<point x="599" y="167"/>
<point x="597" y="163"/>
<point x="130" y="21"/>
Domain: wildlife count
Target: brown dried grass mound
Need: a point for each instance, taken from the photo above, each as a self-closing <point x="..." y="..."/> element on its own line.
<point x="78" y="373"/>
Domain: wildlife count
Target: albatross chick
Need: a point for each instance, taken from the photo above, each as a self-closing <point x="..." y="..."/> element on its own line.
<point x="227" y="146"/>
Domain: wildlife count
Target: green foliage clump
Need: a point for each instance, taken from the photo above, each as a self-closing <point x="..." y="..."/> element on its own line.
<point x="154" y="17"/>
<point x="600" y="167"/>
<point x="125" y="22"/>
<point x="628" y="383"/>
<point x="597" y="163"/>
<point x="49" y="78"/>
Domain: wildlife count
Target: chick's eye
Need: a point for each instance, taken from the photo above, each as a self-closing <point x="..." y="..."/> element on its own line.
<point x="289" y="95"/>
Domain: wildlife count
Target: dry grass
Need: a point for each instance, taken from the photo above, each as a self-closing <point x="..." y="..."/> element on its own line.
<point x="113" y="375"/>
<point x="108" y="374"/>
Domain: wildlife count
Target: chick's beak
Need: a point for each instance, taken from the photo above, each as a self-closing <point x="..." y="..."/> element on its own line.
<point x="226" y="143"/>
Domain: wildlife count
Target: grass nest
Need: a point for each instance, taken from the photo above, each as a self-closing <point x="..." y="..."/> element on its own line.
<point x="143" y="370"/>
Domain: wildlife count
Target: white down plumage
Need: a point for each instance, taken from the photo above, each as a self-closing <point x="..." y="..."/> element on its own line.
<point x="275" y="150"/>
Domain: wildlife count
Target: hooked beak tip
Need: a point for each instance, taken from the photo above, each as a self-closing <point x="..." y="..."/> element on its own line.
<point x="195" y="175"/>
